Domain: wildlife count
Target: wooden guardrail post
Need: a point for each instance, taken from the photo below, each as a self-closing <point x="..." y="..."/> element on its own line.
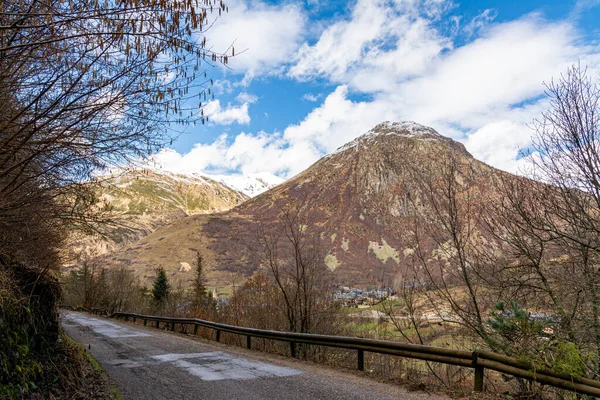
<point x="249" y="342"/>
<point x="195" y="328"/>
<point x="218" y="338"/>
<point x="145" y="321"/>
<point x="134" y="320"/>
<point x="157" y="324"/>
<point x="293" y="349"/>
<point x="172" y="326"/>
<point x="361" y="360"/>
<point x="479" y="370"/>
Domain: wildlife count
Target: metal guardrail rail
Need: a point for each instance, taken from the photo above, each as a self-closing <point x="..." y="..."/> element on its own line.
<point x="478" y="360"/>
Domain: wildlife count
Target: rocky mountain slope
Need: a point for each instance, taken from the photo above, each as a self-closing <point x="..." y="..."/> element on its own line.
<point x="143" y="200"/>
<point x="359" y="197"/>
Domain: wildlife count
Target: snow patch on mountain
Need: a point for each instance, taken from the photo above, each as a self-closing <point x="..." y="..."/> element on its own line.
<point x="251" y="185"/>
<point x="408" y="129"/>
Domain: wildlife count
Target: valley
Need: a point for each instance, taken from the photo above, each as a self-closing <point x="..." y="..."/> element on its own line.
<point x="400" y="235"/>
<point x="407" y="188"/>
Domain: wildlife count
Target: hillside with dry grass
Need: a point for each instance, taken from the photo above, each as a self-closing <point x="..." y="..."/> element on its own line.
<point x="138" y="202"/>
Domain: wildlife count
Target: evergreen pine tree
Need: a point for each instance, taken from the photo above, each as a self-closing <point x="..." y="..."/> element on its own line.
<point x="160" y="290"/>
<point x="199" y="286"/>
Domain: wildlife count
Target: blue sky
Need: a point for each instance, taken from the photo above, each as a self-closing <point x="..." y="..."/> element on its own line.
<point x="314" y="75"/>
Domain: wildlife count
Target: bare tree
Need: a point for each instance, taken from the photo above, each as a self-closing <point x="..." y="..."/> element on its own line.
<point x="448" y="219"/>
<point x="552" y="229"/>
<point x="409" y="317"/>
<point x="252" y="303"/>
<point x="85" y="287"/>
<point x="290" y="249"/>
<point x="85" y="86"/>
<point x="122" y="290"/>
<point x="520" y="271"/>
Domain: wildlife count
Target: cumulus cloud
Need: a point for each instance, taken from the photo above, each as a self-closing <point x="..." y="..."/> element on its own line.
<point x="247" y="154"/>
<point x="500" y="143"/>
<point x="403" y="67"/>
<point x="341" y="44"/>
<point x="483" y="93"/>
<point x="505" y="66"/>
<point x="226" y="115"/>
<point x="264" y="35"/>
<point x="337" y="121"/>
<point x="245" y="97"/>
<point x="362" y="43"/>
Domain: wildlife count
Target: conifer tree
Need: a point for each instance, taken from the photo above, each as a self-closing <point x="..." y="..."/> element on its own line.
<point x="160" y="290"/>
<point x="200" y="293"/>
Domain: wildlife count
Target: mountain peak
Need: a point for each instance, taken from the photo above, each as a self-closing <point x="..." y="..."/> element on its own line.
<point x="405" y="128"/>
<point x="402" y="129"/>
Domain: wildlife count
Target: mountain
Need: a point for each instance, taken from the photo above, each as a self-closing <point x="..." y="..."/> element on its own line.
<point x="141" y="201"/>
<point x="251" y="185"/>
<point x="360" y="197"/>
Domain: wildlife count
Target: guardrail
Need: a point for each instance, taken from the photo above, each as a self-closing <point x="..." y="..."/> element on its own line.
<point x="478" y="360"/>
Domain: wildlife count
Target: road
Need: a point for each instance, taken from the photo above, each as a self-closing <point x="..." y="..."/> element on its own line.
<point x="147" y="363"/>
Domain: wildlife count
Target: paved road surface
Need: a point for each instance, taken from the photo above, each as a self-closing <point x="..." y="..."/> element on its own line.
<point x="147" y="363"/>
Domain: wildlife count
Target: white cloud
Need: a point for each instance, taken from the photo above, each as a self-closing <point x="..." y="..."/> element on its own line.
<point x="341" y="44"/>
<point x="264" y="35"/>
<point x="311" y="97"/>
<point x="416" y="49"/>
<point x="285" y="154"/>
<point x="362" y="43"/>
<point x="499" y="143"/>
<point x="488" y="88"/>
<point x="221" y="86"/>
<point x="507" y="65"/>
<point x="337" y="121"/>
<point x="228" y="115"/>
<point x="247" y="154"/>
<point x="483" y="92"/>
<point x="244" y="97"/>
<point x="248" y="78"/>
<point x="480" y="21"/>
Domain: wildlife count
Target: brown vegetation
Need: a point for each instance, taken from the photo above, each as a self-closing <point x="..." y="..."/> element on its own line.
<point x="489" y="260"/>
<point x="83" y="86"/>
<point x="518" y="272"/>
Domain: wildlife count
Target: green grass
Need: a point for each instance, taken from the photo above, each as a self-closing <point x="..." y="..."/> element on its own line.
<point x="223" y="291"/>
<point x="395" y="305"/>
<point x="365" y="327"/>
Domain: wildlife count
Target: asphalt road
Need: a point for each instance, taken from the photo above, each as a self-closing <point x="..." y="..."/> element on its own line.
<point x="147" y="363"/>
